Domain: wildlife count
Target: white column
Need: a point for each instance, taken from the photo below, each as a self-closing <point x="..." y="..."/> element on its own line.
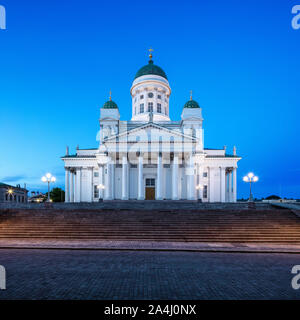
<point x="108" y="181"/>
<point x="159" y="177"/>
<point x="191" y="179"/>
<point x="234" y="185"/>
<point x="91" y="183"/>
<point x="101" y="180"/>
<point x="124" y="178"/>
<point x="230" y="187"/>
<point x="200" y="181"/>
<point x="78" y="185"/>
<point x="226" y="186"/>
<point x="175" y="178"/>
<point x="222" y="184"/>
<point x="140" y="179"/>
<point x="112" y="180"/>
<point x="67" y="187"/>
<point x="211" y="184"/>
<point x="208" y="184"/>
<point x="71" y="186"/>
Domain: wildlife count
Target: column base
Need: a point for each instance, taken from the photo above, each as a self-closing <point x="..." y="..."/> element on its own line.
<point x="124" y="198"/>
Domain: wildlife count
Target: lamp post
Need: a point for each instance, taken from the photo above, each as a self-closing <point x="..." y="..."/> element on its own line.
<point x="100" y="187"/>
<point x="199" y="187"/>
<point x="48" y="178"/>
<point x="250" y="177"/>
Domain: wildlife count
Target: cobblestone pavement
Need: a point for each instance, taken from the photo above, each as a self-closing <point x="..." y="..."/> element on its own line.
<point x="84" y="274"/>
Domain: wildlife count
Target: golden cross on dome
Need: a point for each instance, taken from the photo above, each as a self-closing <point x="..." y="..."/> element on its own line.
<point x="109" y="95"/>
<point x="191" y="94"/>
<point x="150" y="53"/>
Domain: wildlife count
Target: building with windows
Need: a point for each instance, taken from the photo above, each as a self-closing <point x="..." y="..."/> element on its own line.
<point x="10" y="193"/>
<point x="151" y="157"/>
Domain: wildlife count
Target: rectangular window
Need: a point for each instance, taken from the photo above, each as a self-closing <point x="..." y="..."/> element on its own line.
<point x="142" y="96"/>
<point x="141" y="108"/>
<point x="205" y="174"/>
<point x="96" y="192"/>
<point x="150" y="182"/>
<point x="96" y="174"/>
<point x="159" y="108"/>
<point x="158" y="96"/>
<point x="205" y="192"/>
<point x="150" y="107"/>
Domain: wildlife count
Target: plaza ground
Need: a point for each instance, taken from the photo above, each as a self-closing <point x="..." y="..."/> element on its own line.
<point x="97" y="274"/>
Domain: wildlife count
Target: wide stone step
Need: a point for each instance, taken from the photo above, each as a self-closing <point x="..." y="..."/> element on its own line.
<point x="161" y="225"/>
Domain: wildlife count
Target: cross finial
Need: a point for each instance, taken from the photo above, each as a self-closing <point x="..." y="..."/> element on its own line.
<point x="150" y="53"/>
<point x="191" y="94"/>
<point x="109" y="95"/>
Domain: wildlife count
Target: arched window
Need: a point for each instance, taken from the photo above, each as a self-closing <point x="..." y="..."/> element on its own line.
<point x="159" y="108"/>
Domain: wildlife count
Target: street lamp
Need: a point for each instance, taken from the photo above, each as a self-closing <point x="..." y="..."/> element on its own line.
<point x="100" y="187"/>
<point x="48" y="178"/>
<point x="10" y="193"/>
<point x="250" y="177"/>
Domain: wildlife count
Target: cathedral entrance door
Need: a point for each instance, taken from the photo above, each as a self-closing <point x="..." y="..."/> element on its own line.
<point x="150" y="189"/>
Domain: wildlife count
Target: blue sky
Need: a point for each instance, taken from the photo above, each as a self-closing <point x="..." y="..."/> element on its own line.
<point x="59" y="59"/>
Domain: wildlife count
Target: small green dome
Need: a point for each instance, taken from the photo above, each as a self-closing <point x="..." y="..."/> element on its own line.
<point x="151" y="68"/>
<point x="191" y="104"/>
<point x="110" y="105"/>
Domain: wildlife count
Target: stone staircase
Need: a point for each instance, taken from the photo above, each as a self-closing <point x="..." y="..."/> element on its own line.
<point x="240" y="226"/>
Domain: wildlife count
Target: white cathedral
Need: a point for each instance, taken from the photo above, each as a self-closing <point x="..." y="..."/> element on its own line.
<point x="151" y="157"/>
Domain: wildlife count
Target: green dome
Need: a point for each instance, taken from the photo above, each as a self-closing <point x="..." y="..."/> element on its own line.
<point x="151" y="68"/>
<point x="110" y="105"/>
<point x="191" y="104"/>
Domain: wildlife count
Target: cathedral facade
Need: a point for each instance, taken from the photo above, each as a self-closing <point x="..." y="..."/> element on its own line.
<point x="151" y="157"/>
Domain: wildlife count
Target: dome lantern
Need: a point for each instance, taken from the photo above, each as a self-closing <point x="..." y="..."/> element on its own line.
<point x="151" y="68"/>
<point x="191" y="103"/>
<point x="110" y="104"/>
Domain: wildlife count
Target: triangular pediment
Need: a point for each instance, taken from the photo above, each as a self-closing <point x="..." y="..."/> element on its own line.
<point x="150" y="132"/>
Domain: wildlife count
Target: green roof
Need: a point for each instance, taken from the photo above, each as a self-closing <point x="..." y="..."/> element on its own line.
<point x="191" y="104"/>
<point x="151" y="68"/>
<point x="110" y="105"/>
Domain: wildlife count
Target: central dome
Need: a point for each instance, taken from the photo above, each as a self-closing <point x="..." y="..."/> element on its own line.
<point x="151" y="68"/>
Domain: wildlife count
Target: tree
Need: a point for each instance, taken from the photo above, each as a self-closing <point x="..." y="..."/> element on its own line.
<point x="272" y="197"/>
<point x="57" y="195"/>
